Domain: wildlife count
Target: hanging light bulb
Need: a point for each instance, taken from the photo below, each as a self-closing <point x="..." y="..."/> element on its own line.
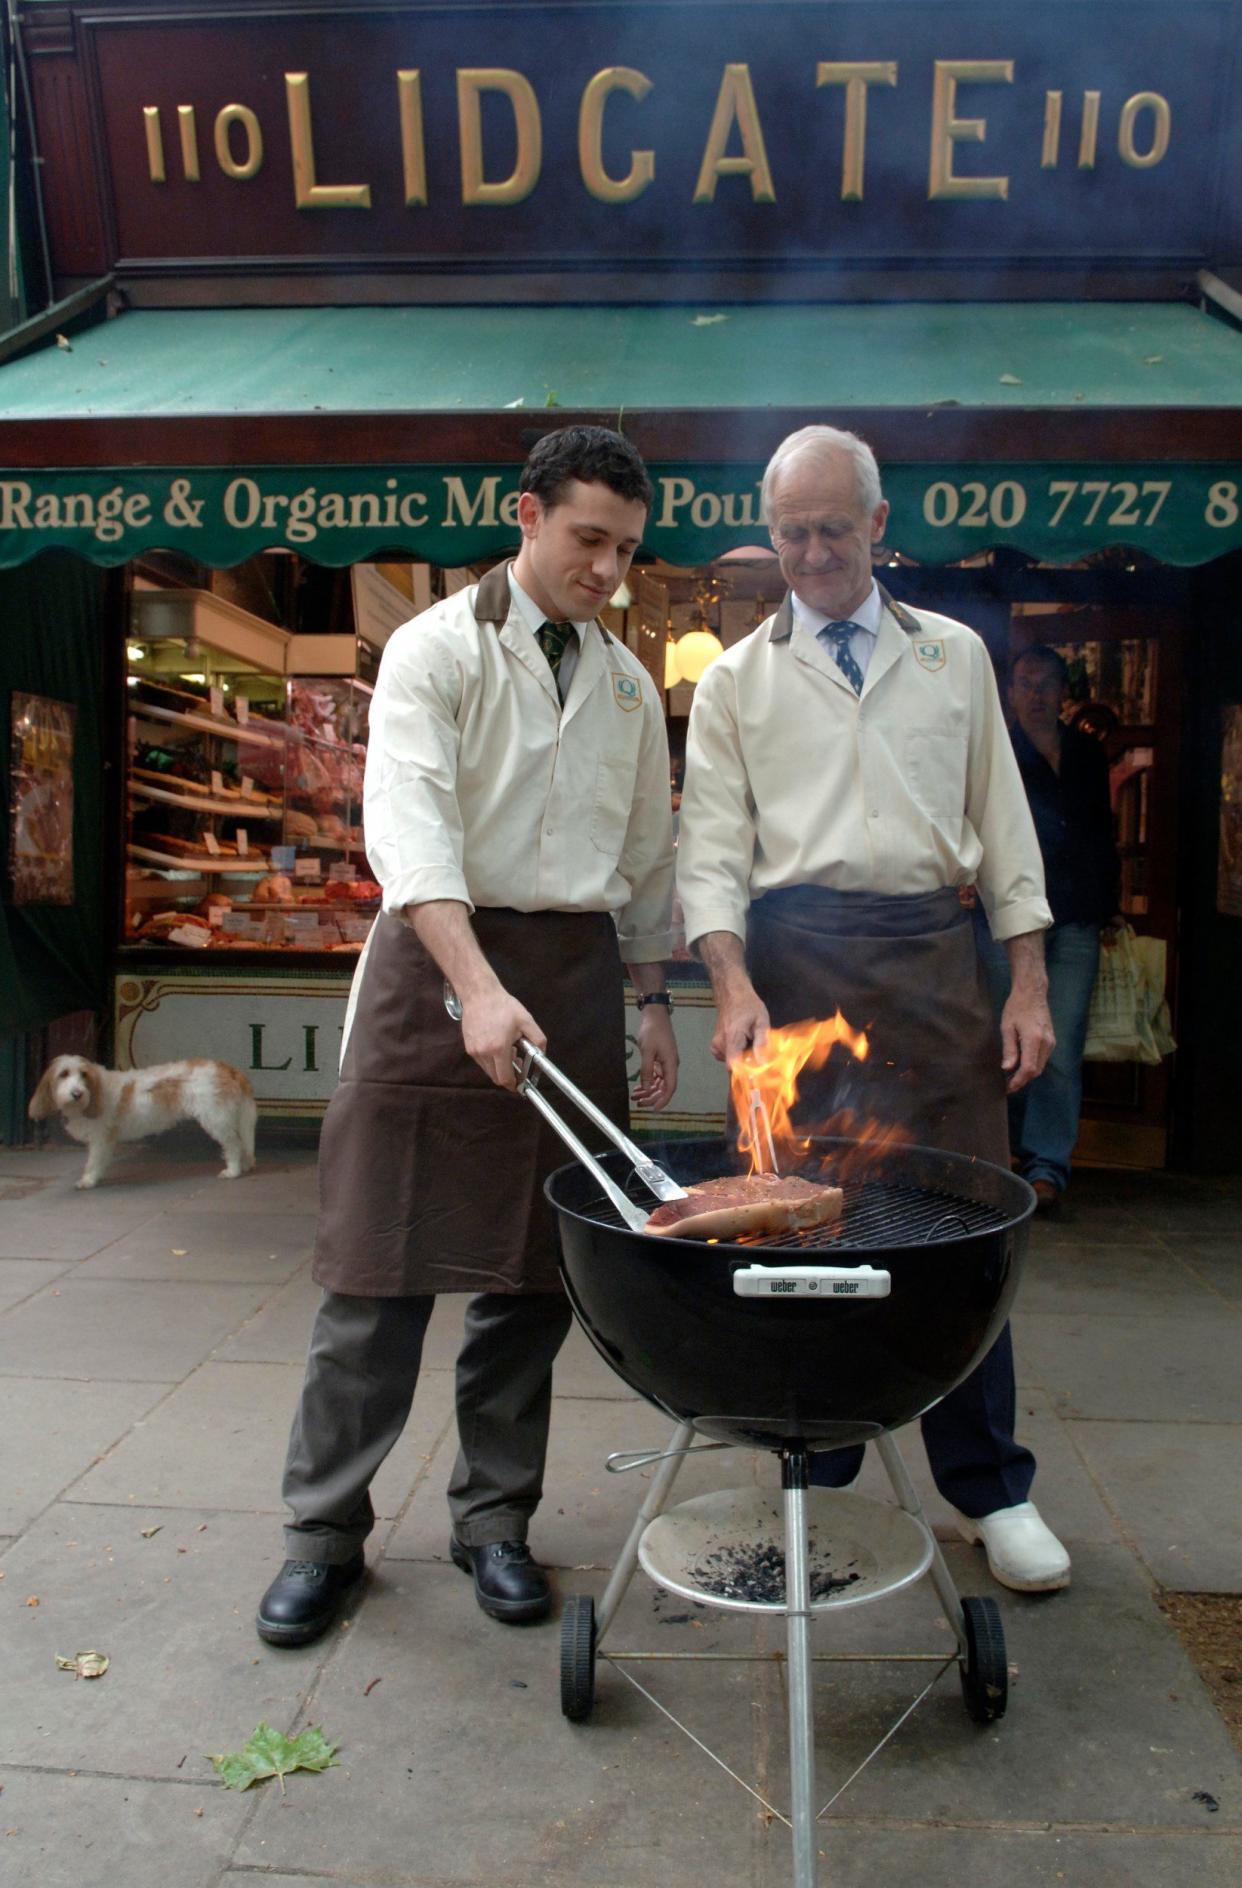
<point x="695" y="653"/>
<point x="672" y="674"/>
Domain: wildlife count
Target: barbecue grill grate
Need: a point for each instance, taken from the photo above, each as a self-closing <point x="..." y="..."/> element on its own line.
<point x="877" y="1214"/>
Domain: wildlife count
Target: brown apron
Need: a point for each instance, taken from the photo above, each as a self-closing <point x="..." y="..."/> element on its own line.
<point x="430" y="1177"/>
<point x="907" y="971"/>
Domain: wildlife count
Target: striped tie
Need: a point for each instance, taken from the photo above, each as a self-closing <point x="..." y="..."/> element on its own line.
<point x="554" y="640"/>
<point x="837" y="635"/>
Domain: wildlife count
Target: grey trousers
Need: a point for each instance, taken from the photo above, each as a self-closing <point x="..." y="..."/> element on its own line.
<point x="360" y="1379"/>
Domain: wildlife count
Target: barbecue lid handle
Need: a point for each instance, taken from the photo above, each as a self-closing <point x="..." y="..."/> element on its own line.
<point x="811" y="1281"/>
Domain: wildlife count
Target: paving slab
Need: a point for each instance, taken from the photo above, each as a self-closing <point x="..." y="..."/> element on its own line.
<point x="279" y="1331"/>
<point x="174" y="1614"/>
<point x="1177" y="1488"/>
<point x="1027" y="1858"/>
<point x="22" y="1278"/>
<point x="1218" y="1262"/>
<point x="1108" y="1722"/>
<point x="1114" y="1281"/>
<point x="52" y="1432"/>
<point x="100" y="1329"/>
<point x="276" y="1183"/>
<point x="184" y="1243"/>
<point x="219" y="1442"/>
<point x="1139" y="1369"/>
<point x="53" y="1228"/>
<point x="83" y="1831"/>
<point x="458" y="1767"/>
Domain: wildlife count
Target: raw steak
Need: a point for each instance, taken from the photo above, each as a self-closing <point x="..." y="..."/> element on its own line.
<point x="746" y="1203"/>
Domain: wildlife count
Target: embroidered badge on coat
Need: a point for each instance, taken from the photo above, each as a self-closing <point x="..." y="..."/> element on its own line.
<point x="930" y="654"/>
<point x="626" y="691"/>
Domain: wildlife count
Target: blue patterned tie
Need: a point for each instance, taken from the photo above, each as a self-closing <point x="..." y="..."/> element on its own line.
<point x="837" y="635"/>
<point x="554" y="640"/>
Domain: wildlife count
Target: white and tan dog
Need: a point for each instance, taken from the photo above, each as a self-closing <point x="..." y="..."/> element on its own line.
<point x="101" y="1106"/>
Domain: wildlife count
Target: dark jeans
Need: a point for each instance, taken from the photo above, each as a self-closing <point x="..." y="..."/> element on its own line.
<point x="1043" y="1116"/>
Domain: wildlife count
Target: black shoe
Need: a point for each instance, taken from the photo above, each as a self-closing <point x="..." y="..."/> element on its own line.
<point x="507" y="1583"/>
<point x="304" y="1599"/>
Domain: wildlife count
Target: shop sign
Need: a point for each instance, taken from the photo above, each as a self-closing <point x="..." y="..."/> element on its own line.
<point x="637" y="135"/>
<point x="284" y="1033"/>
<point x="1177" y="514"/>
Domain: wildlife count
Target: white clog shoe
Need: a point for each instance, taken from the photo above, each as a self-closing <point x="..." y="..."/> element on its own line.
<point x="1022" y="1550"/>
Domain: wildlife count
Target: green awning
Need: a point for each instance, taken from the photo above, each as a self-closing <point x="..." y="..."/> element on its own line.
<point x="1024" y="363"/>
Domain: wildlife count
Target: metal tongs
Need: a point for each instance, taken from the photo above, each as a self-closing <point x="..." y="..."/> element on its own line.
<point x="529" y="1063"/>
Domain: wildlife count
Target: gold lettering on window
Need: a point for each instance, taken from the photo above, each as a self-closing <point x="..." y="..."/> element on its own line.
<point x="855" y="76"/>
<point x="189" y="143"/>
<point x="156" y="170"/>
<point x="591" y="137"/>
<point x="309" y="194"/>
<point x="948" y="129"/>
<point x="1162" y="119"/>
<point x="472" y="82"/>
<point x="735" y="104"/>
<point x="252" y="163"/>
<point x="1052" y="131"/>
<point x="413" y="144"/>
<point x="1089" y="136"/>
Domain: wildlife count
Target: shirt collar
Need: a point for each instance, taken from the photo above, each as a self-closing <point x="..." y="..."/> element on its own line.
<point x="866" y="616"/>
<point x="531" y="614"/>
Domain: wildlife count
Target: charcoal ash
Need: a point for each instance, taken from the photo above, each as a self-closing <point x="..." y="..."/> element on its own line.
<point x="755" y="1571"/>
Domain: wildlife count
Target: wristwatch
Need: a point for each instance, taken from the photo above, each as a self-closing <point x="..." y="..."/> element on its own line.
<point x="656" y="996"/>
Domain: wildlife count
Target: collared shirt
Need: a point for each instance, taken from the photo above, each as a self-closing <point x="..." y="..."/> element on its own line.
<point x="866" y="619"/>
<point x="481" y="788"/>
<point x="534" y="619"/>
<point x="792" y="779"/>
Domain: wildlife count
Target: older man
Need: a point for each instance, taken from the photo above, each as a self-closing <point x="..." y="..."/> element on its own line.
<point x="848" y="768"/>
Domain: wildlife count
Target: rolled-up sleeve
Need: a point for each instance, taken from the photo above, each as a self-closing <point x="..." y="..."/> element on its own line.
<point x="716" y="836"/>
<point x="644" y="925"/>
<point x="1011" y="874"/>
<point x="411" y="815"/>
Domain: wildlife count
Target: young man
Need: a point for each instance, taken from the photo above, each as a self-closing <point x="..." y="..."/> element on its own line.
<point x="847" y="768"/>
<point x="517" y="815"/>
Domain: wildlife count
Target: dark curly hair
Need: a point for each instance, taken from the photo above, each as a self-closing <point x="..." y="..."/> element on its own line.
<point x="593" y="454"/>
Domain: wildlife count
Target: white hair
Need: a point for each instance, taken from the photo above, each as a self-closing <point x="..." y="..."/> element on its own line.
<point x="822" y="444"/>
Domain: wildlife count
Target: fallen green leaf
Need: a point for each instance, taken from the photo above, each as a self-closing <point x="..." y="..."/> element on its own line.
<point x="270" y="1753"/>
<point x="148" y="1533"/>
<point x="552" y="399"/>
<point x="84" y="1664"/>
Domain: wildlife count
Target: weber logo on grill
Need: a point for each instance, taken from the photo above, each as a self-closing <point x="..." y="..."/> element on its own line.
<point x="811" y="1281"/>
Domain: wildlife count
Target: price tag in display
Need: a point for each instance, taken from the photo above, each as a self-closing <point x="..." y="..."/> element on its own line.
<point x="303" y="923"/>
<point x="189" y="935"/>
<point x="212" y="844"/>
<point x="236" y="924"/>
<point x="340" y="872"/>
<point x="216" y="915"/>
<point x="241" y="708"/>
<point x="217" y="782"/>
<point x="217" y="701"/>
<point x="247" y="787"/>
<point x="306" y="868"/>
<point x="356" y="930"/>
<point x="243" y="842"/>
<point x="284" y="858"/>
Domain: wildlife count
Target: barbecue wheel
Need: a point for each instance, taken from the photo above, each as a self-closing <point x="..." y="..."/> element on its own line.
<point x="985" y="1668"/>
<point x="578" y="1657"/>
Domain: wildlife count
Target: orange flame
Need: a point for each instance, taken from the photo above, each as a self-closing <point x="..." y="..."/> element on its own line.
<point x="772" y="1073"/>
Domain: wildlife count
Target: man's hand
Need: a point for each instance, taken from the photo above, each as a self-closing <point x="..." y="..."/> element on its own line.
<point x="657" y="1046"/>
<point x="1027" y="1035"/>
<point x="741" y="1019"/>
<point x="491" y="1025"/>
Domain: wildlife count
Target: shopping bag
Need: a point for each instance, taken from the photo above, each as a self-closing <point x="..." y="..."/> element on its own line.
<point x="1152" y="954"/>
<point x="1126" y="1002"/>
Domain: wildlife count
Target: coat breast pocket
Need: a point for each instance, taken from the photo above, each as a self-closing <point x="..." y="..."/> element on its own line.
<point x="614" y="796"/>
<point x="934" y="763"/>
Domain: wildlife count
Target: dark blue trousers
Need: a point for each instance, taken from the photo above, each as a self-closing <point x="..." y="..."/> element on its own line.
<point x="976" y="1461"/>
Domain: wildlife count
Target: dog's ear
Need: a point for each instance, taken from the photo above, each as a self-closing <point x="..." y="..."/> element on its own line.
<point x="43" y="1101"/>
<point x="92" y="1075"/>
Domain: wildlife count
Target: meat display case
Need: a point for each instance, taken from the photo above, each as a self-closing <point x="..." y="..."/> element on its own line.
<point x="244" y="784"/>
